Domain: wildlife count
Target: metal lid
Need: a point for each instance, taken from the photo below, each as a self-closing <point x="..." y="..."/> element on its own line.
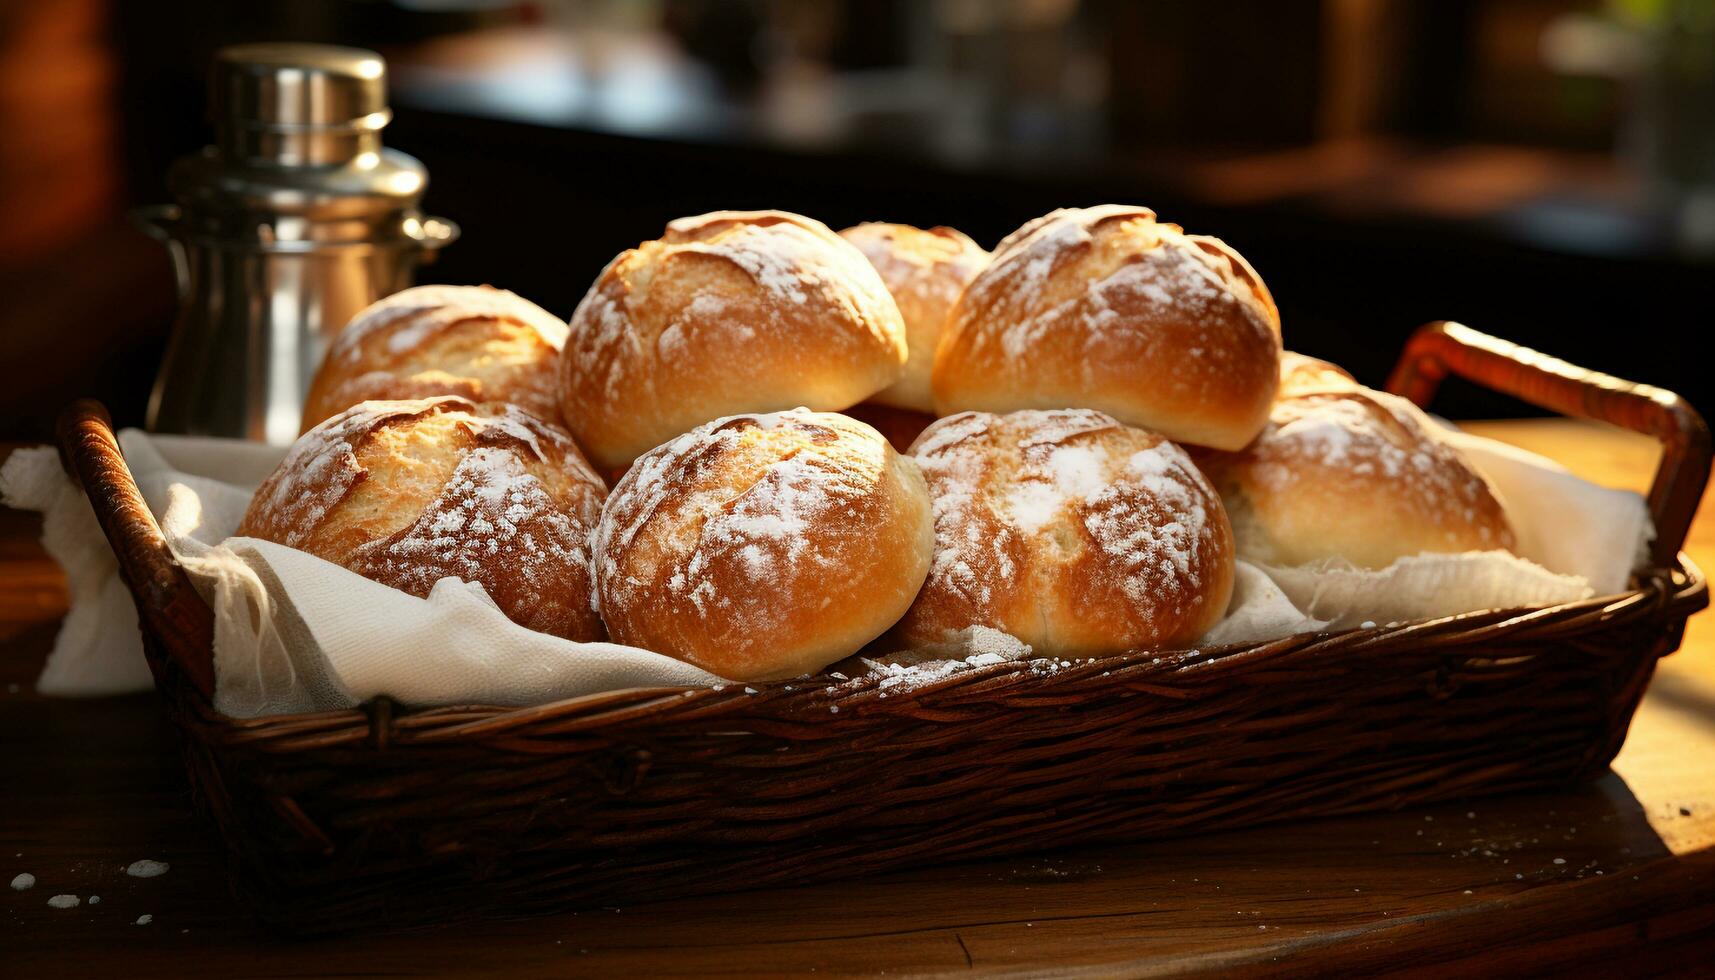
<point x="297" y="104"/>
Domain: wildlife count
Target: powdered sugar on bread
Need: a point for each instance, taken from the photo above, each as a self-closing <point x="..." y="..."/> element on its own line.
<point x="475" y="342"/>
<point x="727" y="312"/>
<point x="1108" y="308"/>
<point x="418" y="313"/>
<point x="410" y="492"/>
<point x="751" y="537"/>
<point x="1043" y="518"/>
<point x="1355" y="474"/>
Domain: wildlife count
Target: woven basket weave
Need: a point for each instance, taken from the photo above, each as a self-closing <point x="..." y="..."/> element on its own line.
<point x="384" y="816"/>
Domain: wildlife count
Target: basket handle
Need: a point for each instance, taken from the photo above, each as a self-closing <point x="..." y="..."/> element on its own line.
<point x="168" y="604"/>
<point x="1444" y="347"/>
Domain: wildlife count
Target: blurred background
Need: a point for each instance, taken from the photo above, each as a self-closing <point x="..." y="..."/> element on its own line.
<point x="1541" y="169"/>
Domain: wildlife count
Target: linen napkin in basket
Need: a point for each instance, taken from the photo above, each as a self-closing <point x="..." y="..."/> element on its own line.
<point x="296" y="633"/>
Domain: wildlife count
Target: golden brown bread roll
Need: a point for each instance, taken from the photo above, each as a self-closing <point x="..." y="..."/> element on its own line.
<point x="1107" y="308"/>
<point x="925" y="271"/>
<point x="410" y="492"/>
<point x="734" y="311"/>
<point x="1077" y="534"/>
<point x="763" y="546"/>
<point x="1355" y="474"/>
<point x="477" y="342"/>
<point x="1301" y="374"/>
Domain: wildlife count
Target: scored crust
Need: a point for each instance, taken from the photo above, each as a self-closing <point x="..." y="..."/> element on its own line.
<point x="410" y="492"/>
<point x="728" y="312"/>
<point x="763" y="546"/>
<point x="1358" y="475"/>
<point x="1108" y="308"/>
<point x="477" y="342"/>
<point x="1071" y="531"/>
<point x="925" y="271"/>
<point x="1301" y="374"/>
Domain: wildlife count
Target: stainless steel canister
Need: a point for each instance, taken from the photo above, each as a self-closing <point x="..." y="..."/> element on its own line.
<point x="292" y="222"/>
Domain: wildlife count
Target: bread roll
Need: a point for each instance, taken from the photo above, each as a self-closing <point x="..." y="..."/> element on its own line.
<point x="925" y="271"/>
<point x="1358" y="475"/>
<point x="763" y="546"/>
<point x="735" y="311"/>
<point x="1301" y="374"/>
<point x="477" y="342"/>
<point x="410" y="492"/>
<point x="1107" y="308"/>
<point x="1077" y="534"/>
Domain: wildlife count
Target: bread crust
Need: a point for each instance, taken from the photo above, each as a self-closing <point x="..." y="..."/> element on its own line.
<point x="409" y="492"/>
<point x="1110" y="309"/>
<point x="1357" y="475"/>
<point x="1301" y="374"/>
<point x="761" y="547"/>
<point x="1071" y="531"/>
<point x="476" y="342"/>
<point x="925" y="271"/>
<point x="727" y="312"/>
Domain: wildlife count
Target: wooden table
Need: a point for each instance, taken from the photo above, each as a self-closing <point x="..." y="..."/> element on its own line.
<point x="1617" y="874"/>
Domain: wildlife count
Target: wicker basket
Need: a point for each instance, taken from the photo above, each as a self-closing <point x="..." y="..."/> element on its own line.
<point x="388" y="816"/>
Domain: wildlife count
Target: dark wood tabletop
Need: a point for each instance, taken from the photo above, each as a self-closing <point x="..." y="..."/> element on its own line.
<point x="1615" y="876"/>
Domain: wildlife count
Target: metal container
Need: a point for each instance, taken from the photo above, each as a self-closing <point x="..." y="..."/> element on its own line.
<point x="296" y="219"/>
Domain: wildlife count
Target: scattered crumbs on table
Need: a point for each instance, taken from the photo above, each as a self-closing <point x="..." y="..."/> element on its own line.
<point x="1368" y="624"/>
<point x="65" y="902"/>
<point x="95" y="899"/>
<point x="834" y="708"/>
<point x="1559" y="860"/>
<point x="1467" y="891"/>
<point x="144" y="919"/>
<point x="23" y="881"/>
<point x="146" y="868"/>
<point x="750" y="690"/>
<point x="1518" y="876"/>
<point x="836" y="675"/>
<point x="1685" y="811"/>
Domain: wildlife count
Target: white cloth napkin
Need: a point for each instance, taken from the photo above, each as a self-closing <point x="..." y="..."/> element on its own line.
<point x="295" y="633"/>
<point x="1563" y="523"/>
